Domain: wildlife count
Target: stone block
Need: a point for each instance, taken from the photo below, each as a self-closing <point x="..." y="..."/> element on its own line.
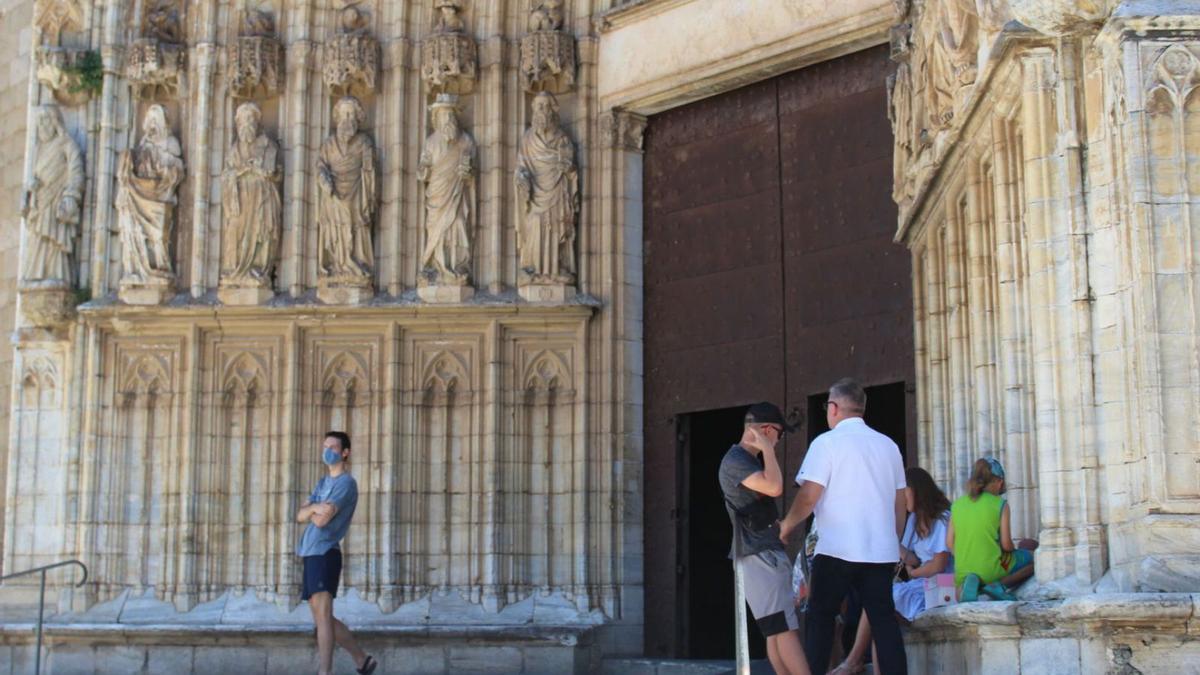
<point x="546" y="293"/>
<point x="413" y="660"/>
<point x="293" y="658"/>
<point x="336" y="293"/>
<point x="244" y="296"/>
<point x="152" y="292"/>
<point x="444" y="294"/>
<point x="485" y="659"/>
<point x="120" y="658"/>
<point x="550" y="660"/>
<point x="245" y="660"/>
<point x="72" y="659"/>
<point x="1050" y="656"/>
<point x="170" y="659"/>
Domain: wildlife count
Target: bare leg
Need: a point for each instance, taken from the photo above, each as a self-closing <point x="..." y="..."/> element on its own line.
<point x="791" y="654"/>
<point x="862" y="641"/>
<point x="773" y="656"/>
<point x="321" y="605"/>
<point x="1017" y="578"/>
<point x="346" y="640"/>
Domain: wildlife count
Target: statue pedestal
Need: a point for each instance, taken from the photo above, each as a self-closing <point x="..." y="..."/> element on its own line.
<point x="344" y="290"/>
<point x="445" y="293"/>
<point x="48" y="304"/>
<point x="152" y="291"/>
<point x="233" y="294"/>
<point x="555" y="293"/>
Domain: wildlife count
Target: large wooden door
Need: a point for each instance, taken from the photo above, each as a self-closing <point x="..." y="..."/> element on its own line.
<point x="769" y="272"/>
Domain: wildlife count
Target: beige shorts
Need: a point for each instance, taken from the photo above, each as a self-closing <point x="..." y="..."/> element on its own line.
<point x="767" y="576"/>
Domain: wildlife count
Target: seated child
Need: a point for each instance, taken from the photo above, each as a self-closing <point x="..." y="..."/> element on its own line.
<point x="980" y="537"/>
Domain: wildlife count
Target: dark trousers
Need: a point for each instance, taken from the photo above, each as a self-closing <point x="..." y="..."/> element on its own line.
<point x="832" y="578"/>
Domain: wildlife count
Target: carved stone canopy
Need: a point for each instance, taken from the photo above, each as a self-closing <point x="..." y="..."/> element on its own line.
<point x="154" y="69"/>
<point x="351" y="65"/>
<point x="256" y="58"/>
<point x="449" y="63"/>
<point x="548" y="62"/>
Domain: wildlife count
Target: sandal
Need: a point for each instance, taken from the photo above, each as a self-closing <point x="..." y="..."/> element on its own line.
<point x="368" y="666"/>
<point x="844" y="668"/>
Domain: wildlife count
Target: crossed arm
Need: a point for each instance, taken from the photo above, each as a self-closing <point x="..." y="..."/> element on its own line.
<point x="318" y="514"/>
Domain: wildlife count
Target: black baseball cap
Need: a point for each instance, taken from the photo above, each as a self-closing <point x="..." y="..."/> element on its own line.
<point x="767" y="413"/>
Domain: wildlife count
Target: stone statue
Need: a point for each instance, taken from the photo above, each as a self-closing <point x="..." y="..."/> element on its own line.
<point x="899" y="87"/>
<point x="447" y="170"/>
<point x="548" y="189"/>
<point x="147" y="179"/>
<point x="346" y="195"/>
<point x="952" y="57"/>
<point x="251" y="203"/>
<point x="547" y="15"/>
<point x="448" y="18"/>
<point x="51" y="205"/>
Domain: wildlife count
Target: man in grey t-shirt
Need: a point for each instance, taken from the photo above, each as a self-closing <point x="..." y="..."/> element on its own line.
<point x="328" y="511"/>
<point x="750" y="490"/>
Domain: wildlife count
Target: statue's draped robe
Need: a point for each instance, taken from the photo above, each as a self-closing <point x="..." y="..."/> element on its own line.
<point x="146" y="206"/>
<point x="253" y="210"/>
<point x="344" y="217"/>
<point x="449" y="200"/>
<point x="546" y="232"/>
<point x="58" y="171"/>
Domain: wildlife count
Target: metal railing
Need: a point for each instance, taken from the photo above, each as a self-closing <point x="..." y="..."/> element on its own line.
<point x="37" y="667"/>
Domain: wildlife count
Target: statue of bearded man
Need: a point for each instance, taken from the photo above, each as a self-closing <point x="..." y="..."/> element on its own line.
<point x="548" y="189"/>
<point x="447" y="170"/>
<point x="251" y="201"/>
<point x="147" y="178"/>
<point x="52" y="203"/>
<point x="346" y="196"/>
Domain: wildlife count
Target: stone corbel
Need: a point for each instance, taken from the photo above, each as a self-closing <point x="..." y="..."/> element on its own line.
<point x="351" y="59"/>
<point x="622" y="130"/>
<point x="61" y="70"/>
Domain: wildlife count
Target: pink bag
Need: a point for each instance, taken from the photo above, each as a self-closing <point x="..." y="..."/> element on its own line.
<point x="939" y="591"/>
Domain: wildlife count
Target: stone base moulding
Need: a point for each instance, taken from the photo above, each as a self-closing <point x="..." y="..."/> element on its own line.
<point x="553" y="293"/>
<point x="244" y="295"/>
<point x="341" y="291"/>
<point x="153" y="291"/>
<point x="445" y="293"/>
<point x="47" y="305"/>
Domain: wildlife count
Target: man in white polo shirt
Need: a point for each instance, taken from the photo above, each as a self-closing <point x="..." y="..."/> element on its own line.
<point x="852" y="478"/>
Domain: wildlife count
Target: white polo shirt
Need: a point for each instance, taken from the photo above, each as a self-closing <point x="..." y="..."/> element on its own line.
<point x="861" y="470"/>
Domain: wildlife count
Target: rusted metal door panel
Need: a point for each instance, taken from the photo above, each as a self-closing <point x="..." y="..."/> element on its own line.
<point x="769" y="272"/>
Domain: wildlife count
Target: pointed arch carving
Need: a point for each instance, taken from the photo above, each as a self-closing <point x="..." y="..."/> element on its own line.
<point x="40" y="372"/>
<point x="1175" y="77"/>
<point x="548" y="370"/>
<point x="445" y="372"/>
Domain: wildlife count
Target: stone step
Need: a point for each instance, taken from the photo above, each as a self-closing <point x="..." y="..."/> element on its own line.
<point x="616" y="666"/>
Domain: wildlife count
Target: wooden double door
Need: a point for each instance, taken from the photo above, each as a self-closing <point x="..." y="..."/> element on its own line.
<point x="770" y="272"/>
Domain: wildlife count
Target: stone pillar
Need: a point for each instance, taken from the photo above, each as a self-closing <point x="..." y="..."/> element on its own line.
<point x="1152" y="105"/>
<point x="1072" y="542"/>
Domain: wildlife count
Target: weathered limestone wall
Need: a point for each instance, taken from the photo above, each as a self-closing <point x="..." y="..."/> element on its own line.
<point x="15" y="21"/>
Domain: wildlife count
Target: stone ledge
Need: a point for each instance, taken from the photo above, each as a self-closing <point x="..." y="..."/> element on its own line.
<point x="1118" y="610"/>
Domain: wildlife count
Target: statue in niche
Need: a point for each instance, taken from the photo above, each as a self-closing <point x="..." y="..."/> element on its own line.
<point x="251" y="202"/>
<point x="447" y="170"/>
<point x="548" y="15"/>
<point x="346" y="195"/>
<point x="952" y="58"/>
<point x="449" y="18"/>
<point x="899" y="86"/>
<point x="147" y="179"/>
<point x="547" y="182"/>
<point x="51" y="205"/>
<point x="162" y="23"/>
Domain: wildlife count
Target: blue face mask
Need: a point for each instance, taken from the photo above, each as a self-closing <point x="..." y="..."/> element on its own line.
<point x="331" y="456"/>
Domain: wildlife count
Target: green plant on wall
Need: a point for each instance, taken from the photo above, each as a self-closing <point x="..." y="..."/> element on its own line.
<point x="88" y="72"/>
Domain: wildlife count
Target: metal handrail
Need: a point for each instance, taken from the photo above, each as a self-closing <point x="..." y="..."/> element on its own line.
<point x="37" y="663"/>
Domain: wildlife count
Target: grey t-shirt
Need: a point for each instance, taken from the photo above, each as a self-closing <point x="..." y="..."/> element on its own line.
<point x="755" y="516"/>
<point x="342" y="491"/>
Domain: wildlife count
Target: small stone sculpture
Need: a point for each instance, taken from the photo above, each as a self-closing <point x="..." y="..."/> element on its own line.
<point x="547" y="182"/>
<point x="548" y="15"/>
<point x="547" y="52"/>
<point x="52" y="203"/>
<point x="346" y="199"/>
<point x="147" y="180"/>
<point x="447" y="170"/>
<point x="252" y="210"/>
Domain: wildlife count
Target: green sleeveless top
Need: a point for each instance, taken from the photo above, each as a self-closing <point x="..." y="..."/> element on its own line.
<point x="977" y="537"/>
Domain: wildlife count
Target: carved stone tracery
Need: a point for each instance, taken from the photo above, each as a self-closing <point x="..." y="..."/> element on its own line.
<point x="154" y="63"/>
<point x="256" y="58"/>
<point x="351" y="65"/>
<point x="449" y="56"/>
<point x="547" y="52"/>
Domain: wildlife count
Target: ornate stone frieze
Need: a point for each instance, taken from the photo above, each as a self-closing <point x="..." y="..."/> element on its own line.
<point x="449" y="56"/>
<point x="256" y="58"/>
<point x="154" y="63"/>
<point x="252" y="211"/>
<point x="147" y="178"/>
<point x="547" y="181"/>
<point x="447" y="172"/>
<point x="547" y="51"/>
<point x="351" y="61"/>
<point x="347" y="201"/>
<point x="1058" y="17"/>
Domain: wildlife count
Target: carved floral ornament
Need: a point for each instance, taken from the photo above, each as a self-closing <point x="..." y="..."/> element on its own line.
<point x="1175" y="76"/>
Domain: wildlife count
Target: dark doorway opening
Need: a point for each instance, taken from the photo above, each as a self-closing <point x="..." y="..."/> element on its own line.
<point x="705" y="619"/>
<point x="887" y="413"/>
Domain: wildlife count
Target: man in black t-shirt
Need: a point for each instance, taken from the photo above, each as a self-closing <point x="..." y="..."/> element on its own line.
<point x="750" y="489"/>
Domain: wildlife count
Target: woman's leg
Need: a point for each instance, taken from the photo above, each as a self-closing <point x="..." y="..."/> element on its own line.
<point x="862" y="642"/>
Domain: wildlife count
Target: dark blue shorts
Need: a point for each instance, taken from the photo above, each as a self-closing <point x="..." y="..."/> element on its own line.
<point x="321" y="573"/>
